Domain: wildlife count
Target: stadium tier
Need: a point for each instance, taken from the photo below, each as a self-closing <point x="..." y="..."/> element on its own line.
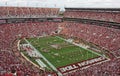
<point x="64" y="48"/>
<point x="25" y="12"/>
<point x="110" y="15"/>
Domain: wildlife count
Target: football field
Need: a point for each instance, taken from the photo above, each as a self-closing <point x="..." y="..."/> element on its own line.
<point x="59" y="52"/>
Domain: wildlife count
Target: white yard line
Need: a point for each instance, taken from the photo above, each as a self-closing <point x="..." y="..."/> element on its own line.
<point x="40" y="63"/>
<point x="52" y="66"/>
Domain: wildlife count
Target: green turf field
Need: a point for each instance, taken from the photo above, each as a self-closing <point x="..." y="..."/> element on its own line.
<point x="59" y="52"/>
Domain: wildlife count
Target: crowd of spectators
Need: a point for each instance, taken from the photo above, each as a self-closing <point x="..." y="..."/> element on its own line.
<point x="94" y="15"/>
<point x="10" y="65"/>
<point x="25" y="12"/>
<point x="106" y="38"/>
<point x="11" y="62"/>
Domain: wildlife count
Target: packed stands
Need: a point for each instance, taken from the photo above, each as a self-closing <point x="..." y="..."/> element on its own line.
<point x="25" y="12"/>
<point x="96" y="34"/>
<point x="111" y="16"/>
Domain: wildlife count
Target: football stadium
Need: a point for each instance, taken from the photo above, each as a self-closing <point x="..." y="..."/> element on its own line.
<point x="41" y="40"/>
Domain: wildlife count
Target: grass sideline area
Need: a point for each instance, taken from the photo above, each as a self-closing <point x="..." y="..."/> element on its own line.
<point x="59" y="52"/>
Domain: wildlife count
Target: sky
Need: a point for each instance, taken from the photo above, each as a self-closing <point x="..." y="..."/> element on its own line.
<point x="63" y="3"/>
